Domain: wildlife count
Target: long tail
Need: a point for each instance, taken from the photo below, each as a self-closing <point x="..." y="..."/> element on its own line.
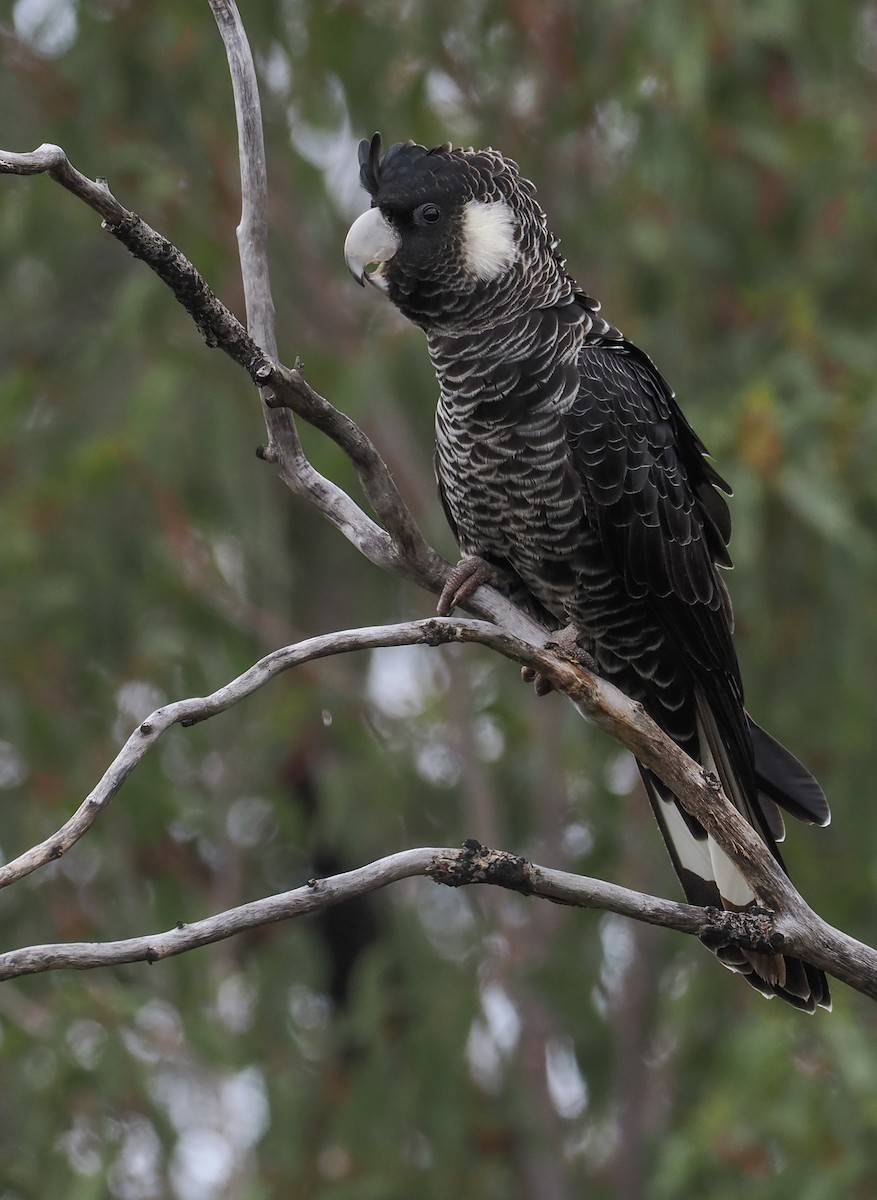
<point x="707" y="874"/>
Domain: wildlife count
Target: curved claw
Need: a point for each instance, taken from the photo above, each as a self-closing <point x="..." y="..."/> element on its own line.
<point x="467" y="577"/>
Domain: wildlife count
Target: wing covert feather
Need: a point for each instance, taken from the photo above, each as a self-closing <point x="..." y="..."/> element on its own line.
<point x="653" y="497"/>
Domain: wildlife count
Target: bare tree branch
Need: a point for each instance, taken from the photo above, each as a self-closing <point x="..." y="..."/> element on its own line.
<point x="191" y="711"/>
<point x="472" y="864"/>
<point x="608" y="704"/>
<point x="253" y="228"/>
<point x="457" y="868"/>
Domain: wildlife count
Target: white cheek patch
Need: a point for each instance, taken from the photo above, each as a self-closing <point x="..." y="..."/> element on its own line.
<point x="488" y="238"/>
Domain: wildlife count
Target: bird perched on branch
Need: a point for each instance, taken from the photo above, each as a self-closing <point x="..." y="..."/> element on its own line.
<point x="570" y="476"/>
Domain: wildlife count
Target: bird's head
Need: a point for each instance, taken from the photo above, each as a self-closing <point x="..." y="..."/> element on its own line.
<point x="455" y="238"/>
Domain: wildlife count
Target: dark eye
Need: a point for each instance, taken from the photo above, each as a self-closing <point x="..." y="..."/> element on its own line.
<point x="427" y="214"/>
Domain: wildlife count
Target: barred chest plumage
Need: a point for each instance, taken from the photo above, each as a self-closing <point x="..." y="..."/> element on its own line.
<point x="502" y="458"/>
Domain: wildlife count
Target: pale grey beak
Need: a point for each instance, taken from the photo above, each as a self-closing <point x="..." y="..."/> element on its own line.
<point x="370" y="240"/>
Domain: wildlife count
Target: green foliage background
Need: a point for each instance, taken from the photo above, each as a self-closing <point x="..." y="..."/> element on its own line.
<point x="710" y="167"/>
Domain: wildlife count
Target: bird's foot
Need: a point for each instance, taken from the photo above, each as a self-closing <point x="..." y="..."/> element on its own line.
<point x="467" y="577"/>
<point x="568" y="642"/>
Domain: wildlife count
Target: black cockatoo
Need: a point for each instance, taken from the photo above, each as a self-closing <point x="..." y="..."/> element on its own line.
<point x="566" y="468"/>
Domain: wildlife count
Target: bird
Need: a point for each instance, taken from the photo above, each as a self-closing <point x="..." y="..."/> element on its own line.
<point x="570" y="477"/>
